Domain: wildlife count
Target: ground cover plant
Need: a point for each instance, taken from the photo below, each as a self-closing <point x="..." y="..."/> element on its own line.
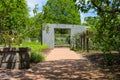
<point x="35" y="46"/>
<point x="35" y="54"/>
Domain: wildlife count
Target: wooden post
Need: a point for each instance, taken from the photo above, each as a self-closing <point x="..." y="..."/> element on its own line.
<point x="84" y="41"/>
<point x="81" y="41"/>
<point x="87" y="41"/>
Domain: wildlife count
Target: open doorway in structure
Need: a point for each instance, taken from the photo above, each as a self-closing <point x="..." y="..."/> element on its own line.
<point x="62" y="37"/>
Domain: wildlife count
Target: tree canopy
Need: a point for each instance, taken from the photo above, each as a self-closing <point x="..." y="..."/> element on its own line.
<point x="107" y="29"/>
<point x="61" y="11"/>
<point x="13" y="16"/>
<point x="55" y="11"/>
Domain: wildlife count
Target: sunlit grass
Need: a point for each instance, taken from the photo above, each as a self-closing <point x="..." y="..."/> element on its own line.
<point x="35" y="46"/>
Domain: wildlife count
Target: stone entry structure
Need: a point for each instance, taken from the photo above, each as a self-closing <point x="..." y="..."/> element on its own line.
<point x="48" y="32"/>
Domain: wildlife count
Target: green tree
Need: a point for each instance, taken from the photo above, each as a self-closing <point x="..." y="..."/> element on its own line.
<point x="106" y="29"/>
<point x="53" y="12"/>
<point x="13" y="17"/>
<point x="61" y="11"/>
<point x="35" y="9"/>
<point x="35" y="27"/>
<point x="90" y="20"/>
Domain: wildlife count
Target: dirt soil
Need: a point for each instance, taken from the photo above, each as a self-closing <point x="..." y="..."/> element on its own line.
<point x="60" y="64"/>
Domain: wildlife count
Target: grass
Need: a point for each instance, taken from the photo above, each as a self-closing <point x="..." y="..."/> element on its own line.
<point x="62" y="35"/>
<point x="61" y="43"/>
<point x="35" y="46"/>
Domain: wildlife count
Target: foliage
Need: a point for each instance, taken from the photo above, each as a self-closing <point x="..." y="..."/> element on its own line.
<point x="62" y="35"/>
<point x="11" y="39"/>
<point x="63" y="38"/>
<point x="61" y="42"/>
<point x="75" y="42"/>
<point x="13" y="17"/>
<point x="53" y="13"/>
<point x="35" y="27"/>
<point x="35" y="9"/>
<point x="62" y="32"/>
<point x="37" y="57"/>
<point x="60" y="11"/>
<point x="106" y="30"/>
<point x="35" y="46"/>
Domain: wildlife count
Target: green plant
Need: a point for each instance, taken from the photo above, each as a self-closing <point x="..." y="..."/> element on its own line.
<point x="75" y="42"/>
<point x="67" y="14"/>
<point x="13" y="22"/>
<point x="35" y="46"/>
<point x="47" y="29"/>
<point x="37" y="57"/>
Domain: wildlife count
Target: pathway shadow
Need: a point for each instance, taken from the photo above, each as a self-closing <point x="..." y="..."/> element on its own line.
<point x="57" y="70"/>
<point x="64" y="70"/>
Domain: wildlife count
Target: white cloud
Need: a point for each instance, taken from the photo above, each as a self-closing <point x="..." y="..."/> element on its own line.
<point x="31" y="5"/>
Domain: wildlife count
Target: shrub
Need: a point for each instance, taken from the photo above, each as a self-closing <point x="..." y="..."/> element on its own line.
<point x="35" y="46"/>
<point x="37" y="57"/>
<point x="43" y="47"/>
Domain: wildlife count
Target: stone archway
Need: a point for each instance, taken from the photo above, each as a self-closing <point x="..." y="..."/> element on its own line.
<point x="48" y="32"/>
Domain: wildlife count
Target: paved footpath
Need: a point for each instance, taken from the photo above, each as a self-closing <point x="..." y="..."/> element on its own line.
<point x="62" y="54"/>
<point x="60" y="64"/>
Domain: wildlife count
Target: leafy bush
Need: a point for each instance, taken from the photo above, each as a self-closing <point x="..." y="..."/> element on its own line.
<point x="35" y="46"/>
<point x="75" y="42"/>
<point x="62" y="35"/>
<point x="37" y="57"/>
<point x="43" y="47"/>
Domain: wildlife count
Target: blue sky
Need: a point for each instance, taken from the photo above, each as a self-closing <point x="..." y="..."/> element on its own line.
<point x="31" y="5"/>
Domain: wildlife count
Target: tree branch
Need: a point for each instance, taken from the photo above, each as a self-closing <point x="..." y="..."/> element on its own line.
<point x="114" y="11"/>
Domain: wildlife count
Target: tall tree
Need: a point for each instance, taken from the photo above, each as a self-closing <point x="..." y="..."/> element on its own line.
<point x="35" y="24"/>
<point x="13" y="16"/>
<point x="107" y="29"/>
<point x="89" y="21"/>
<point x="61" y="11"/>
